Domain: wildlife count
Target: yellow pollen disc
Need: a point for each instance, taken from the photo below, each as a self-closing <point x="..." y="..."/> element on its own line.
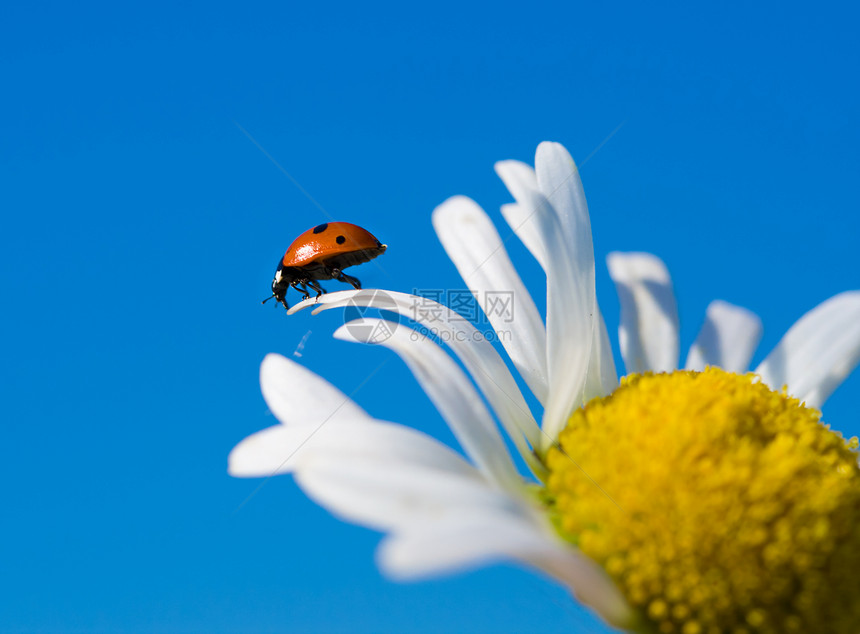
<point x="715" y="503"/>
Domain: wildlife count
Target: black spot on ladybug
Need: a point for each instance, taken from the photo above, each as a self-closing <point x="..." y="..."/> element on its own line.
<point x="321" y="228"/>
<point x="340" y="239"/>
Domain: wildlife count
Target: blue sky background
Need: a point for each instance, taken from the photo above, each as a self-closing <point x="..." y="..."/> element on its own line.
<point x="141" y="228"/>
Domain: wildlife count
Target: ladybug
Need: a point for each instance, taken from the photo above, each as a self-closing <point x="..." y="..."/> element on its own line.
<point x="321" y="253"/>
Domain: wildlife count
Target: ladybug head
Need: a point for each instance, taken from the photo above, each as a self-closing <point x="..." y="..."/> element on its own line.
<point x="280" y="285"/>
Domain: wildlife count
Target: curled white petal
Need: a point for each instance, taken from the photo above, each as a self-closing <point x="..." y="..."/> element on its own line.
<point x="295" y="395"/>
<point x="475" y="248"/>
<point x="521" y="220"/>
<point x="572" y="212"/>
<point x="319" y="303"/>
<point x="488" y="537"/>
<point x="571" y="302"/>
<point x="570" y="297"/>
<point x="521" y="181"/>
<point x="558" y="179"/>
<point x="475" y="351"/>
<point x="817" y="352"/>
<point x="648" y="333"/>
<point x="452" y="393"/>
<point x="727" y="339"/>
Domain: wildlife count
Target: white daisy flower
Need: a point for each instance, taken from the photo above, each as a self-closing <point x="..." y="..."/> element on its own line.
<point x="676" y="501"/>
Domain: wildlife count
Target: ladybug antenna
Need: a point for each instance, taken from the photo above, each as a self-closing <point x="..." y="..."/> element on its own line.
<point x="267" y="299"/>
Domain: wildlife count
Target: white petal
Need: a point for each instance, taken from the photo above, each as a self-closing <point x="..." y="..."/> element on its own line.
<point x="297" y="396"/>
<point x="470" y="540"/>
<point x="648" y="333"/>
<point x="373" y="473"/>
<point x="376" y="440"/>
<point x="281" y="448"/>
<point x="522" y="182"/>
<point x="455" y="398"/>
<point x="571" y="303"/>
<point x="387" y="492"/>
<point x="322" y="300"/>
<point x="602" y="377"/>
<point x="521" y="220"/>
<point x="268" y="452"/>
<point x="477" y="354"/>
<point x="487" y="537"/>
<point x="558" y="179"/>
<point x="475" y="248"/>
<point x="817" y="352"/>
<point x="727" y="339"/>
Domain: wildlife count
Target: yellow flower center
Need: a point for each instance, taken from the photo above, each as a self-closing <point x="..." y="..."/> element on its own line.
<point x="715" y="503"/>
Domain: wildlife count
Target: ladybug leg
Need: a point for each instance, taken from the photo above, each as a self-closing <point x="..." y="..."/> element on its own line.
<point x="303" y="290"/>
<point x="340" y="276"/>
<point x="314" y="285"/>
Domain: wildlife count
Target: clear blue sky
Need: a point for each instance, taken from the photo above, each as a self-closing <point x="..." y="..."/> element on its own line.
<point x="141" y="228"/>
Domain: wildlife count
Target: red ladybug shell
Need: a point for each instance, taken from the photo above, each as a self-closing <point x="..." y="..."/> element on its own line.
<point x="332" y="241"/>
